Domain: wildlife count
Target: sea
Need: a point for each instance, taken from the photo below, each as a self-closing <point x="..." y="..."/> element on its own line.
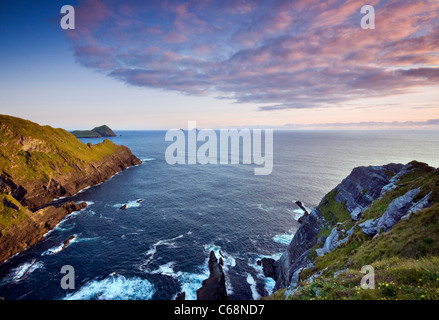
<point x="176" y="214"/>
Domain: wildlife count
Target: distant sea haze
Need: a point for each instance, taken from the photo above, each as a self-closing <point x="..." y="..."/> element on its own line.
<point x="176" y="214"/>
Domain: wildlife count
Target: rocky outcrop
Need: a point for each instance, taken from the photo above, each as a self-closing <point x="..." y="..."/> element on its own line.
<point x="37" y="193"/>
<point x="33" y="227"/>
<point x="269" y="267"/>
<point x="396" y="210"/>
<point x="357" y="191"/>
<point x="39" y="164"/>
<point x="296" y="256"/>
<point x="214" y="287"/>
<point x="363" y="186"/>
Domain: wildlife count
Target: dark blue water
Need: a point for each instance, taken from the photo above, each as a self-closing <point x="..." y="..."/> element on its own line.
<point x="160" y="246"/>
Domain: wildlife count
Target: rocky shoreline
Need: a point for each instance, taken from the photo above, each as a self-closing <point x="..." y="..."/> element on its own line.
<point x="29" y="231"/>
<point x="40" y="164"/>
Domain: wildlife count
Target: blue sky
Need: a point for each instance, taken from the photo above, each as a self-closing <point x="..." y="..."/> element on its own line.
<point x="158" y="64"/>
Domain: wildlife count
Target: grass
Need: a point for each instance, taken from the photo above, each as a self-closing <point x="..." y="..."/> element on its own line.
<point x="29" y="151"/>
<point x="405" y="259"/>
<point x="11" y="211"/>
<point x="395" y="279"/>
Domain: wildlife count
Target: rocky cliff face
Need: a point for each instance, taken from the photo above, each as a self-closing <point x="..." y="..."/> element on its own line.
<point x="37" y="193"/>
<point x="379" y="191"/>
<point x="39" y="164"/>
<point x="32" y="227"/>
<point x="214" y="287"/>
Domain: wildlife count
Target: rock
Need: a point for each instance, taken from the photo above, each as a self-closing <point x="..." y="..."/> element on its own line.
<point x="214" y="287"/>
<point x="396" y="210"/>
<point x="369" y="227"/>
<point x="357" y="191"/>
<point x="296" y="255"/>
<point x="268" y="267"/>
<point x="31" y="229"/>
<point x="421" y="204"/>
<point x="356" y="213"/>
<point x="305" y="212"/>
<point x="364" y="185"/>
<point x="330" y="243"/>
<point x="180" y="296"/>
<point x="123" y="207"/>
<point x="68" y="240"/>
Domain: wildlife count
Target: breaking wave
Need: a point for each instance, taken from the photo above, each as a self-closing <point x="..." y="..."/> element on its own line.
<point x="115" y="287"/>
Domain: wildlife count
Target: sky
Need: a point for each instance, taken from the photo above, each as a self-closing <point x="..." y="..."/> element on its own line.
<point x="138" y="64"/>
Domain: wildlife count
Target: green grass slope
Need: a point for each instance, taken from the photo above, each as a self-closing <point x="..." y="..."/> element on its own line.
<point x="29" y="151"/>
<point x="405" y="259"/>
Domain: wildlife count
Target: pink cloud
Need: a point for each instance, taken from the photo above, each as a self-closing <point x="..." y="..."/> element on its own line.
<point x="293" y="54"/>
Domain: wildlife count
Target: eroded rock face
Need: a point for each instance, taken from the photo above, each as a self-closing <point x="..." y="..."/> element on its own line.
<point x="35" y="194"/>
<point x="296" y="256"/>
<point x="214" y="287"/>
<point x="363" y="186"/>
<point x="399" y="208"/>
<point x="357" y="191"/>
<point x="32" y="228"/>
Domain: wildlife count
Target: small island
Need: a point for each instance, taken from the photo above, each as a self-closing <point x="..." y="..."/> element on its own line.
<point x="98" y="132"/>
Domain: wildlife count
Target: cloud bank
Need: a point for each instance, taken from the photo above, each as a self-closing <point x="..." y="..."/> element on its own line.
<point x="277" y="54"/>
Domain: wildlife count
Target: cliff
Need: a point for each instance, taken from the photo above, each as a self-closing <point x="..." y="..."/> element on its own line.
<point x="386" y="217"/>
<point x="98" y="132"/>
<point x="39" y="164"/>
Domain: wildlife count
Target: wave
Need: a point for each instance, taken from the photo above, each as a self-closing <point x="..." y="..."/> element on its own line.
<point x="130" y="204"/>
<point x="23" y="270"/>
<point x="147" y="159"/>
<point x="251" y="281"/>
<point x="73" y="239"/>
<point x="153" y="249"/>
<point x="115" y="287"/>
<point x="284" y="238"/>
<point x="268" y="282"/>
<point x="190" y="281"/>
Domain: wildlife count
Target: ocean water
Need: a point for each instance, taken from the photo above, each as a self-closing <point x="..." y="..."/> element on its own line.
<point x="159" y="246"/>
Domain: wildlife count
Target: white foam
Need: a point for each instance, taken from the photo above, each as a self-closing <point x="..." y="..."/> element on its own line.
<point x="115" y="287"/>
<point x="166" y="242"/>
<point x="268" y="282"/>
<point x="147" y="159"/>
<point x="229" y="262"/>
<point x="23" y="270"/>
<point x="284" y="239"/>
<point x="190" y="282"/>
<point x="251" y="281"/>
<point x="130" y="204"/>
<point x="57" y="249"/>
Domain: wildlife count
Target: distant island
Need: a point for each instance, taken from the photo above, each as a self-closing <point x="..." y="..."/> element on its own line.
<point x="98" y="132"/>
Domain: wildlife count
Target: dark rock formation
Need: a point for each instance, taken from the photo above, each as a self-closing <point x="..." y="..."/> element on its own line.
<point x="123" y="207"/>
<point x="214" y="287"/>
<point x="305" y="212"/>
<point x="181" y="296"/>
<point x="363" y="186"/>
<point x="268" y="267"/>
<point x="68" y="240"/>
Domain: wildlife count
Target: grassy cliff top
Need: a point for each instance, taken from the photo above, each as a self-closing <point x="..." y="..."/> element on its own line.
<point x="29" y="151"/>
